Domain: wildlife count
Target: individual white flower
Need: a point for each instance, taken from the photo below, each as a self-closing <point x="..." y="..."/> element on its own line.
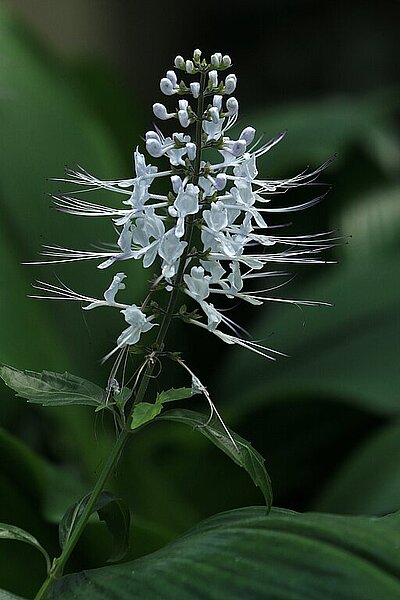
<point x="186" y="203"/>
<point x="170" y="250"/>
<point x="197" y="284"/>
<point x="138" y="324"/>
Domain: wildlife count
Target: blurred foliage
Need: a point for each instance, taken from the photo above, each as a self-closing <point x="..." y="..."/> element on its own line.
<point x="326" y="419"/>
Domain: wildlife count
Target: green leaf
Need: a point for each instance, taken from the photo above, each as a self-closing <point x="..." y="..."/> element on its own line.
<point x="322" y="128"/>
<point x="348" y="352"/>
<point x="242" y="453"/>
<point x="117" y="517"/>
<point x="248" y="554"/>
<point x="143" y="413"/>
<point x="113" y="511"/>
<point x="46" y="123"/>
<point x="369" y="480"/>
<point x="373" y="221"/>
<point x="10" y="532"/>
<point x="8" y="596"/>
<point x="174" y="394"/>
<point x="51" y="389"/>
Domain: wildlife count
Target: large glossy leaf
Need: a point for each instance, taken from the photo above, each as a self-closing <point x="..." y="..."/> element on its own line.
<point x="347" y="352"/>
<point x="248" y="554"/>
<point x="45" y="123"/>
<point x="113" y="511"/>
<point x="52" y="389"/>
<point x="11" y="532"/>
<point x="369" y="481"/>
<point x="237" y="448"/>
<point x="8" y="596"/>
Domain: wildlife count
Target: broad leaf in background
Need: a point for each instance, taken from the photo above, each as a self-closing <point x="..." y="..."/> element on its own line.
<point x="247" y="554"/>
<point x="52" y="389"/>
<point x="10" y="532"/>
<point x="8" y="596"/>
<point x="45" y="124"/>
<point x="348" y="352"/>
<point x="320" y="129"/>
<point x="373" y="221"/>
<point x="373" y="470"/>
<point x="113" y="511"/>
<point x="241" y="452"/>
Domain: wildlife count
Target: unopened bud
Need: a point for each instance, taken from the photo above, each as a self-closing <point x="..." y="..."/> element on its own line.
<point x="189" y="66"/>
<point x="154" y="148"/>
<point x="230" y="84"/>
<point x="176" y="182"/>
<point x="213" y="77"/>
<point x="152" y="135"/>
<point x="232" y="106"/>
<point x="220" y="181"/>
<point x="226" y="61"/>
<point x="166" y="86"/>
<point x="172" y="77"/>
<point x="183" y="104"/>
<point x="217" y="101"/>
<point x="197" y="55"/>
<point x="216" y="59"/>
<point x="195" y="89"/>
<point x="183" y="118"/>
<point x="248" y="134"/>
<point x="238" y="148"/>
<point x="191" y="150"/>
<point x="214" y="114"/>
<point x="160" y="111"/>
<point x="179" y="62"/>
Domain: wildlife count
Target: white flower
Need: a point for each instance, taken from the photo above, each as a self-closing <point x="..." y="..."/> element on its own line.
<point x="138" y="324"/>
<point x="197" y="284"/>
<point x="186" y="203"/>
<point x="170" y="250"/>
<point x="226" y="200"/>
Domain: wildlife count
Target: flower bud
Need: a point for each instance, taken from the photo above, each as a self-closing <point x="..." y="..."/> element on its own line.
<point x="183" y="117"/>
<point x="226" y="61"/>
<point x="189" y="66"/>
<point x="238" y="148"/>
<point x="179" y="62"/>
<point x="213" y="77"/>
<point x="216" y="59"/>
<point x="248" y="134"/>
<point x="160" y="111"/>
<point x="154" y="147"/>
<point x="230" y="84"/>
<point x="197" y="55"/>
<point x="172" y="77"/>
<point x="166" y="86"/>
<point x="183" y="104"/>
<point x="195" y="89"/>
<point x="176" y="182"/>
<point x="191" y="150"/>
<point x="232" y="106"/>
<point x="220" y="181"/>
<point x="214" y="114"/>
<point x="217" y="101"/>
<point x="150" y="135"/>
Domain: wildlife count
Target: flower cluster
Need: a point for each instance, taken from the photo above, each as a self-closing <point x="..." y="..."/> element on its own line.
<point x="208" y="235"/>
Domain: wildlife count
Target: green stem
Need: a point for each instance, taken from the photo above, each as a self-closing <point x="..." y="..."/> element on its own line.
<point x="114" y="456"/>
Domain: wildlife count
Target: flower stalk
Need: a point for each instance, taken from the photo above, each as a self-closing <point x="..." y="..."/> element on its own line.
<point x="225" y="200"/>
